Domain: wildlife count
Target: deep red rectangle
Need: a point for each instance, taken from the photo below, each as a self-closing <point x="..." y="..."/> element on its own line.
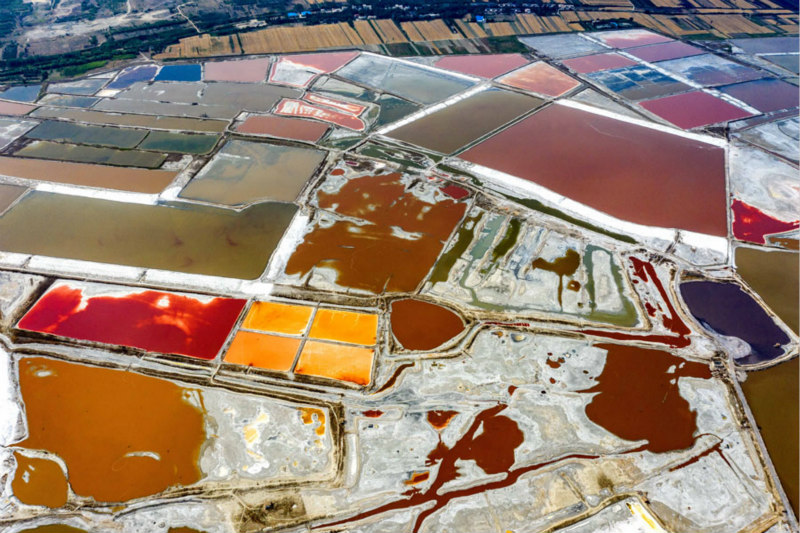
<point x="151" y="320"/>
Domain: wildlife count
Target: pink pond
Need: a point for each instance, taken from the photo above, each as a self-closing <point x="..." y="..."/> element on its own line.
<point x="486" y="66"/>
<point x="597" y="62"/>
<point x="693" y="109"/>
<point x="246" y="70"/>
<point x="631" y="172"/>
<point x="13" y="108"/>
<point x="299" y="108"/>
<point x="297" y="129"/>
<point x="540" y="78"/>
<point x="323" y="62"/>
<point x="338" y="105"/>
<point x="665" y="51"/>
<point x="630" y="38"/>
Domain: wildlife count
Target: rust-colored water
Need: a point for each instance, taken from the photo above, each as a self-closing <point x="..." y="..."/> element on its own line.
<point x="631" y="172"/>
<point x="493" y="450"/>
<point x="118" y="178"/>
<point x="420" y="325"/>
<point x="371" y="257"/>
<point x="286" y="127"/>
<point x="440" y="419"/>
<point x="752" y="225"/>
<point x="122" y="435"/>
<point x="638" y="397"/>
<point x="773" y="398"/>
<point x="773" y="274"/>
<point x="39" y="481"/>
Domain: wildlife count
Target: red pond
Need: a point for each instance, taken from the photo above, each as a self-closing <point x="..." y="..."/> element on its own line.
<point x="150" y="320"/>
<point x="752" y="225"/>
<point x="628" y="171"/>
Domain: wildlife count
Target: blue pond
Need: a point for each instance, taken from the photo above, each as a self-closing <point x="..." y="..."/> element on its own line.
<point x="179" y="73"/>
<point x="725" y="308"/>
<point x="131" y="75"/>
<point x="22" y="93"/>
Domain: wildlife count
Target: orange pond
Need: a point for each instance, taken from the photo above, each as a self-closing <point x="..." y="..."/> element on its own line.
<point x="39" y="481"/>
<point x="540" y="78"/>
<point x="419" y="325"/>
<point x="280" y="330"/>
<point x="372" y="256"/>
<point x="121" y="435"/>
<point x="650" y="406"/>
<point x="344" y="363"/>
<point x="298" y="129"/>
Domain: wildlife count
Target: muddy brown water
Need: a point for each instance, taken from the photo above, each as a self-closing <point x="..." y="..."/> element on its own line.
<point x="117" y="178"/>
<point x="649" y="407"/>
<point x="244" y="172"/>
<point x="189" y="239"/>
<point x="773" y="274"/>
<point x="628" y="171"/>
<point x="371" y="257"/>
<point x="122" y="435"/>
<point x="9" y="193"/>
<point x="773" y="398"/>
<point x="419" y="325"/>
<point x="463" y="122"/>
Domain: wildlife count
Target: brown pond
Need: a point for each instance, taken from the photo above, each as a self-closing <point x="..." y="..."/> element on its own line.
<point x="372" y="256"/>
<point x="122" y="435"/>
<point x="631" y="172"/>
<point x="463" y="122"/>
<point x="190" y="239"/>
<point x="650" y="406"/>
<point x="773" y="398"/>
<point x="285" y="127"/>
<point x="9" y="193"/>
<point x="244" y="172"/>
<point x="419" y="325"/>
<point x="119" y="178"/>
<point x="773" y="274"/>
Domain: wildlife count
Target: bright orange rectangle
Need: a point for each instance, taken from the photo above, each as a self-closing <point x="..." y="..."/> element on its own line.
<point x="278" y="318"/>
<point x="345" y="363"/>
<point x="344" y="326"/>
<point x="262" y="351"/>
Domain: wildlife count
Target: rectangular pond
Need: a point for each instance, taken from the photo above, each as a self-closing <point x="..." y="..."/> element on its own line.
<point x="631" y="172"/>
<point x="54" y="130"/>
<point x="413" y="82"/>
<point x="91" y="154"/>
<point x="244" y="172"/>
<point x="465" y="121"/>
<point x="182" y="238"/>
<point x="101" y="176"/>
